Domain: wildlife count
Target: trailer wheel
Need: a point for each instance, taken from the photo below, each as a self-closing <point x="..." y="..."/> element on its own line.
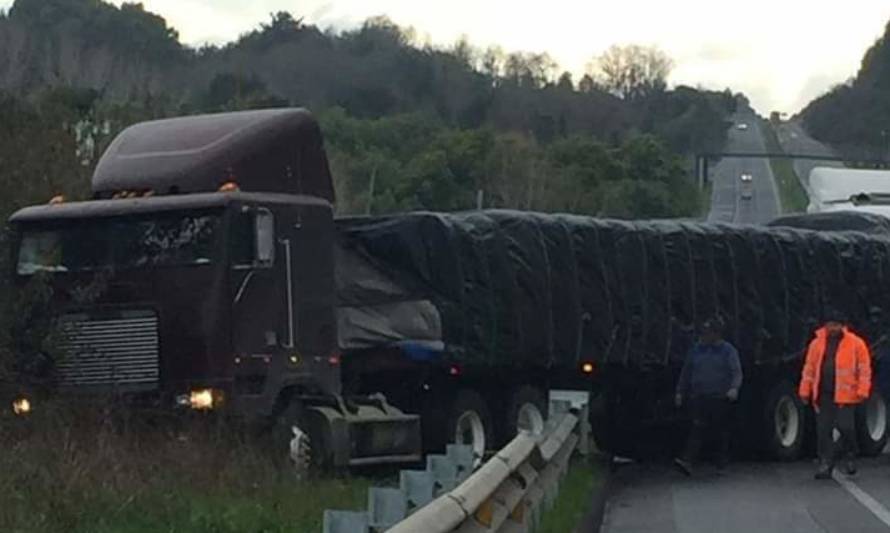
<point x="872" y="425"/>
<point x="527" y="411"/>
<point x="470" y="422"/>
<point x="784" y="423"/>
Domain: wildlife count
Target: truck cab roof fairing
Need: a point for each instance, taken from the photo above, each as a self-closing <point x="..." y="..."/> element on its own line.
<point x="275" y="150"/>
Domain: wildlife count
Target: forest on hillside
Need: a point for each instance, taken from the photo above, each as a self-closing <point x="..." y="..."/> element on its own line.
<point x="408" y="125"/>
<point x="854" y="116"/>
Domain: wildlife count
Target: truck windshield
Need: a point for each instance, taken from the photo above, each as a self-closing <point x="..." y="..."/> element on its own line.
<point x="79" y="245"/>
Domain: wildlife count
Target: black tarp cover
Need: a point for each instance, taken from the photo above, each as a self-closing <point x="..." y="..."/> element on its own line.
<point x="837" y="221"/>
<point x="528" y="288"/>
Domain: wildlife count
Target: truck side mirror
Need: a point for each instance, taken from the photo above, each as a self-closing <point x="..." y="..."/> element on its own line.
<point x="264" y="233"/>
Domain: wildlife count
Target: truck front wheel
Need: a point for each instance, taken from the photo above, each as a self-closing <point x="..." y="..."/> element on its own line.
<point x="784" y="420"/>
<point x="470" y="422"/>
<point x="871" y="425"/>
<point x="299" y="443"/>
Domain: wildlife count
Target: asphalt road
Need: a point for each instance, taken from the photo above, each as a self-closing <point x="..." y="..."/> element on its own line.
<point x="752" y="497"/>
<point x="727" y="204"/>
<point x="795" y="140"/>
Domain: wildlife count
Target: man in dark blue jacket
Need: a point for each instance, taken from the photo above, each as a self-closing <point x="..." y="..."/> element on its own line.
<point x="709" y="384"/>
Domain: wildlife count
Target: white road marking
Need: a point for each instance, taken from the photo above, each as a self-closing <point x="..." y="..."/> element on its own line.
<point x="864" y="498"/>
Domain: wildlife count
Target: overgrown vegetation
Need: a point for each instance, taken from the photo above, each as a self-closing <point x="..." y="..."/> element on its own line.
<point x="93" y="471"/>
<point x="128" y="29"/>
<point x="376" y="70"/>
<point x="430" y="127"/>
<point x="409" y="126"/>
<point x="853" y="116"/>
<point x="791" y="193"/>
<point x="575" y="494"/>
<point x="414" y="161"/>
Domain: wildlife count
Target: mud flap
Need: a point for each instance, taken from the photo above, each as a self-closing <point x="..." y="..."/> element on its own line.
<point x="366" y="431"/>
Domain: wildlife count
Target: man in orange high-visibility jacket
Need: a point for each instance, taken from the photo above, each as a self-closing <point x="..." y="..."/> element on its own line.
<point x="836" y="377"/>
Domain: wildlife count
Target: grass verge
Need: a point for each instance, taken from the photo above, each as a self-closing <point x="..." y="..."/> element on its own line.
<point x="84" y="474"/>
<point x="584" y="476"/>
<point x="791" y="193"/>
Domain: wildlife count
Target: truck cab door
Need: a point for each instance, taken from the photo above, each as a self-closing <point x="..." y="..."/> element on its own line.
<point x="259" y="327"/>
<point x="306" y="248"/>
<point x="283" y="296"/>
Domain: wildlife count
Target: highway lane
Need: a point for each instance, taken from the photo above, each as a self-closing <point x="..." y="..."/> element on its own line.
<point x="727" y="204"/>
<point x="751" y="497"/>
<point x="795" y="140"/>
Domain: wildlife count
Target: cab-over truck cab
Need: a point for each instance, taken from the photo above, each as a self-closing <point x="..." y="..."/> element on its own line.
<point x="201" y="277"/>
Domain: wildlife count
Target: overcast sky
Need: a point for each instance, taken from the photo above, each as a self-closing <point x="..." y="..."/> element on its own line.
<point x="781" y="53"/>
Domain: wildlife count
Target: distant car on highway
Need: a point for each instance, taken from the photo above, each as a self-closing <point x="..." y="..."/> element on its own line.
<point x="742" y="126"/>
<point x="747" y="188"/>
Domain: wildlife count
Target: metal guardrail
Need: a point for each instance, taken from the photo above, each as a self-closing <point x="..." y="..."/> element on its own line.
<point x="508" y="493"/>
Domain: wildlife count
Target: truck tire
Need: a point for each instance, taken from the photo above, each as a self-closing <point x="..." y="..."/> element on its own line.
<point x="470" y="422"/>
<point x="872" y="425"/>
<point x="784" y="423"/>
<point x="299" y="445"/>
<point x="609" y="434"/>
<point x="526" y="411"/>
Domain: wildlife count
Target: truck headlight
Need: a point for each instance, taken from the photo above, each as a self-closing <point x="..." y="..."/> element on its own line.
<point x="201" y="399"/>
<point x="21" y="406"/>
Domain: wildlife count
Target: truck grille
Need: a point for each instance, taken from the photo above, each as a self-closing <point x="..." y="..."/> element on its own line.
<point x="121" y="349"/>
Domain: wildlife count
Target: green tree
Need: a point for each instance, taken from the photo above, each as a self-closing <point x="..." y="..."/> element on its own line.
<point x="633" y="71"/>
<point x="129" y="29"/>
<point x="281" y="29"/>
<point x="565" y="82"/>
<point x="228" y="92"/>
<point x="637" y="199"/>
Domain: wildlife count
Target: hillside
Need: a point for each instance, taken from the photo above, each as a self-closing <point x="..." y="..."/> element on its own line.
<point x="409" y="126"/>
<point x="854" y="116"/>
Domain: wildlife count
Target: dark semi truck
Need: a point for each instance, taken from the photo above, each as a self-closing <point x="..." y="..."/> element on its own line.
<point x="208" y="273"/>
<point x="200" y="276"/>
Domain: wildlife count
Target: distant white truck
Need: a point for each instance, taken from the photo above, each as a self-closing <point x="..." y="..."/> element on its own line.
<point x="746" y="189"/>
<point x="847" y="189"/>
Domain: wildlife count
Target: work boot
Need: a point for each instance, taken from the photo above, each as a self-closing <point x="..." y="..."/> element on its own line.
<point x="824" y="471"/>
<point x="683" y="466"/>
<point x="850" y="467"/>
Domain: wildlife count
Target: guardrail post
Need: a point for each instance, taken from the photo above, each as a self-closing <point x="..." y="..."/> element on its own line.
<point x="558" y="407"/>
<point x="579" y="401"/>
<point x="386" y="507"/>
<point x="444" y="472"/>
<point x="550" y="484"/>
<point x="584" y="430"/>
<point x="534" y="497"/>
<point x="419" y="487"/>
<point x="345" y="522"/>
<point x="462" y="456"/>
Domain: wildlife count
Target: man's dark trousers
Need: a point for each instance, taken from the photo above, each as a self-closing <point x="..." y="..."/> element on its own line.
<point x="842" y="417"/>
<point x="710" y="416"/>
